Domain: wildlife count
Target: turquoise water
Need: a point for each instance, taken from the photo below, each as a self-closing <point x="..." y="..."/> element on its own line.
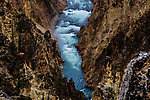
<point x="74" y="16"/>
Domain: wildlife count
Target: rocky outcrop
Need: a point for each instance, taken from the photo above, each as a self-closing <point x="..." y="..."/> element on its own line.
<point x="30" y="65"/>
<point x="135" y="82"/>
<point x="116" y="31"/>
<point x="44" y="13"/>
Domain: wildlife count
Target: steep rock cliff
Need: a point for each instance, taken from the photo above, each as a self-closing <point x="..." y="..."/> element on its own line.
<point x="116" y="31"/>
<point x="30" y="66"/>
<point x="44" y="13"/>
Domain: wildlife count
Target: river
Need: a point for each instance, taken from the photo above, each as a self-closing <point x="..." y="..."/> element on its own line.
<point x="74" y="16"/>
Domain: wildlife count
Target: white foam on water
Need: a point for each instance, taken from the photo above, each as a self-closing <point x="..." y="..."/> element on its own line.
<point x="65" y="30"/>
<point x="80" y="4"/>
<point x="78" y="17"/>
<point x="75" y="16"/>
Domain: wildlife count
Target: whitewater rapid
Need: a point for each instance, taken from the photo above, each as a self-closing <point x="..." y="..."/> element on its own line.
<point x="74" y="16"/>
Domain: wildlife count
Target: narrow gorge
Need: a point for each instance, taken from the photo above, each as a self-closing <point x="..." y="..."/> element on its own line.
<point x="74" y="49"/>
<point x="74" y="16"/>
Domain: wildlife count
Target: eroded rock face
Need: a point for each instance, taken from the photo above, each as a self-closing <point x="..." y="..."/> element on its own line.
<point x="135" y="82"/>
<point x="44" y="13"/>
<point x="30" y="65"/>
<point x="116" y="31"/>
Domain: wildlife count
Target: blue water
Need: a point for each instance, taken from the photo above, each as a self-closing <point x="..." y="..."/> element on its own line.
<point x="74" y="16"/>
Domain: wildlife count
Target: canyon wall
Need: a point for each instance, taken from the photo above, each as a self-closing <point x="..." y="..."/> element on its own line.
<point x="44" y="13"/>
<point x="112" y="45"/>
<point x="30" y="65"/>
<point x="117" y="31"/>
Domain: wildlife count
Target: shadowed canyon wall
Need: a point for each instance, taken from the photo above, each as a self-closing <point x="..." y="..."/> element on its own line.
<point x="30" y="66"/>
<point x="115" y="33"/>
<point x="113" y="47"/>
<point x="43" y="12"/>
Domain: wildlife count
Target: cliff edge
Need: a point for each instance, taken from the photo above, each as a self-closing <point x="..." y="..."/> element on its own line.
<point x="30" y="65"/>
<point x="116" y="32"/>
